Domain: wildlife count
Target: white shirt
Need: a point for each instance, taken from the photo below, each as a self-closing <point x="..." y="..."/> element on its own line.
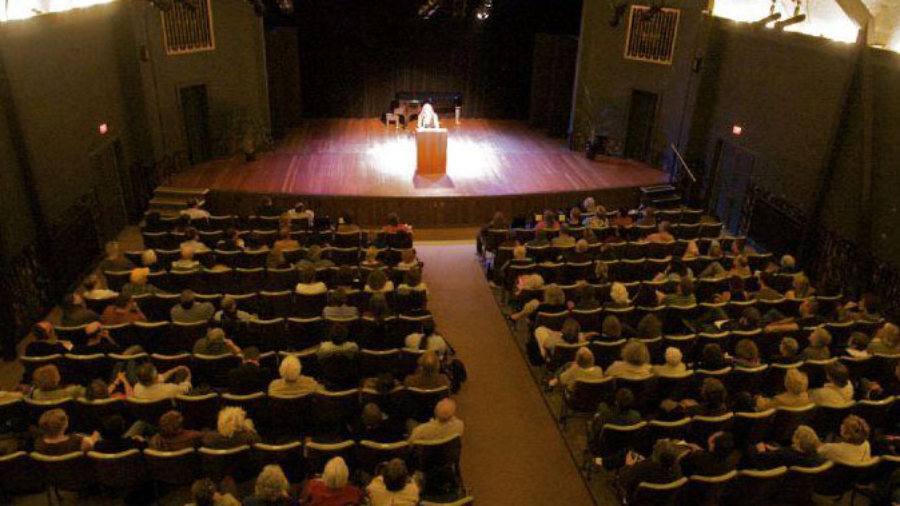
<point x="311" y="288"/>
<point x="434" y="343"/>
<point x="159" y="391"/>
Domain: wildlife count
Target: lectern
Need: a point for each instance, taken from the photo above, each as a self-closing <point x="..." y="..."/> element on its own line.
<point x="431" y="151"/>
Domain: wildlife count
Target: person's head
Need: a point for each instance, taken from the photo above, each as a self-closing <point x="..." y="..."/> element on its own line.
<point x="146" y="374"/>
<point x="715" y="250"/>
<point x="445" y="410"/>
<point x="619" y="294"/>
<point x="43" y="331"/>
<point x="371" y="415"/>
<point x="859" y="341"/>
<point x="271" y="484"/>
<point x="250" y="354"/>
<point x="98" y="389"/>
<point x="233" y="420"/>
<point x="215" y="335"/>
<point x="584" y="358"/>
<point x="336" y="474"/>
<point x="187" y="299"/>
<point x="338" y="334"/>
<point x="187" y="252"/>
<point x="788" y="263"/>
<point x="46" y="377"/>
<point x="751" y="317"/>
<point x="788" y="347"/>
<point x="624" y="399"/>
<point x="712" y="391"/>
<point x="601" y="271"/>
<point x="549" y="217"/>
<point x="741" y="262"/>
<point x="299" y="207"/>
<point x="806" y="440"/>
<point x="712" y="354"/>
<point x="171" y="424"/>
<point x="581" y="246"/>
<point x="589" y="204"/>
<point x="809" y="307"/>
<point x="307" y="275"/>
<point x="408" y="256"/>
<point x="837" y="374"/>
<point x="746" y="349"/>
<point x="378" y="305"/>
<point x="91" y="282"/>
<point x="395" y="475"/>
<point x="413" y="277"/>
<point x="820" y="338"/>
<point x="204" y="492"/>
<point x="112" y="250"/>
<point x="229" y="304"/>
<point x="554" y="295"/>
<point x="796" y="382"/>
<point x="139" y="276"/>
<point x="854" y="430"/>
<point x="113" y="426"/>
<point x="429" y="364"/>
<point x="575" y="215"/>
<point x="314" y="253"/>
<point x="53" y="423"/>
<point x="673" y="356"/>
<point x="801" y="284"/>
<point x="338" y="297"/>
<point x="636" y="353"/>
<point x="377" y="279"/>
<point x="570" y="330"/>
<point x="520" y="253"/>
<point x="889" y="335"/>
<point x="650" y="327"/>
<point x="284" y="233"/>
<point x="665" y="454"/>
<point x="664" y="227"/>
<point x="612" y="328"/>
<point x="290" y="368"/>
<point x="393" y="220"/>
<point x="371" y="254"/>
<point x="721" y="444"/>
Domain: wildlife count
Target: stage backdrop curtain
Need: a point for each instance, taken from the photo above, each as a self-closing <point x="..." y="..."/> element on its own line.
<point x="356" y="54"/>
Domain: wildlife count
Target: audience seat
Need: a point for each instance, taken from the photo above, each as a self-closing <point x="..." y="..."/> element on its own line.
<point x="666" y="494"/>
<point x="118" y="471"/>
<point x="219" y="463"/>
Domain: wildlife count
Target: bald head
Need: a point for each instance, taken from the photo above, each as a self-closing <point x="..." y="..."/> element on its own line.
<point x="445" y="410"/>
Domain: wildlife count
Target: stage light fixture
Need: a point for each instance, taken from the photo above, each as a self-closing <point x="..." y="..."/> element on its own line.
<point x="484" y="10"/>
<point x="793" y="20"/>
<point x="286" y="6"/>
<point x="429" y="8"/>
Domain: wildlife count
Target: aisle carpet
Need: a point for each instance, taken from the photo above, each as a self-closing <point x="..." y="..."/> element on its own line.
<point x="513" y="453"/>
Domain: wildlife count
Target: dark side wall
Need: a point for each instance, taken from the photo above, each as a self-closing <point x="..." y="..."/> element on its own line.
<point x="886" y="150"/>
<point x="605" y="79"/>
<point x="234" y="74"/>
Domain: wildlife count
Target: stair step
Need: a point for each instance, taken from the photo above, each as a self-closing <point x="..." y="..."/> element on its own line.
<point x="183" y="191"/>
<point x="657" y="189"/>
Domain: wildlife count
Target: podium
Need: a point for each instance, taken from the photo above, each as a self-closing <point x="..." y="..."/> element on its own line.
<point x="431" y="151"/>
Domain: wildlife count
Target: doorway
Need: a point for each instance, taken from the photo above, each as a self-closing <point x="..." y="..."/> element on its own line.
<point x="733" y="167"/>
<point x="195" y="115"/>
<point x="641" y="124"/>
<point x="112" y="209"/>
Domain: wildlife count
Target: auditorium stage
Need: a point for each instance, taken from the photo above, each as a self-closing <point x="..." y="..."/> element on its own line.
<point x="363" y="165"/>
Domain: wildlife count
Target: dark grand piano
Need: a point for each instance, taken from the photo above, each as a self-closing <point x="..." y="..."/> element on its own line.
<point x="407" y="104"/>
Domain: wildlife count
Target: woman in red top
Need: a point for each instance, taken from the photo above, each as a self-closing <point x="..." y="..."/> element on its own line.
<point x="332" y="489"/>
<point x="395" y="225"/>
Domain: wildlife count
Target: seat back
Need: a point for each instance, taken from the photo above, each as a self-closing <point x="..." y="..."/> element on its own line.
<point x="335" y="411"/>
<point x="234" y="462"/>
<point x="288" y="455"/>
<point x="753" y="486"/>
<point x="317" y="454"/>
<point x="291" y="415"/>
<point x="146" y="410"/>
<point x="421" y="403"/>
<point x="118" y="470"/>
<point x="588" y="394"/>
<point x="69" y="472"/>
<point x="438" y="460"/>
<point x="371" y="454"/>
<point x="709" y="490"/>
<point x="704" y="426"/>
<point x="199" y="411"/>
<point x="653" y="494"/>
<point x="752" y="428"/>
<point x="20" y="475"/>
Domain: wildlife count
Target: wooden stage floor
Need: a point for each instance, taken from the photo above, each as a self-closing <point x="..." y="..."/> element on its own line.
<point x="363" y="158"/>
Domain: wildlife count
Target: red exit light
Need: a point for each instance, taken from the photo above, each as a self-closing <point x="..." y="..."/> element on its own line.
<point x="103" y="129"/>
<point x="737" y="130"/>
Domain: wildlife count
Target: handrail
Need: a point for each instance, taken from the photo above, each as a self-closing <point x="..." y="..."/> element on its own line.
<point x="683" y="163"/>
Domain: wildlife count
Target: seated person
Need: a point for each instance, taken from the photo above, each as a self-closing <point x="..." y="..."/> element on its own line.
<point x="346" y="225"/>
<point x="192" y="240"/>
<point x="138" y="284"/>
<point x="635" y="363"/>
<point x="115" y="436"/>
<point x="582" y="369"/>
<point x="580" y="254"/>
<point x="205" y="493"/>
<point x="75" y="313"/>
<point x="618" y="295"/>
<point x="377" y="426"/>
<point x="788" y="352"/>
<point x="47" y="385"/>
<point x="124" y="310"/>
<point x="412" y="282"/>
<point x="662" y="235"/>
<point x="215" y="343"/>
<point x="150" y="262"/>
<point x="337" y="305"/>
<point x="554" y="300"/>
<point x="393" y="487"/>
<point x="194" y="211"/>
<point x="371" y="259"/>
<point x="249" y="377"/>
<point x="674" y="366"/>
<point x="46" y="342"/>
<point x="272" y="488"/>
<point x="230" y="316"/>
<point x="564" y="239"/>
<point x="232" y="429"/>
<point x="307" y="284"/>
<point x="394" y="225"/>
<point x="746" y="354"/>
<point x="115" y="261"/>
<point x="853" y="447"/>
<point x="717" y="460"/>
<point x="796" y="393"/>
<point x="153" y="386"/>
<point x="683" y="296"/>
<point x="429" y="339"/>
<point x="378" y="282"/>
<point x="712" y="358"/>
<point x="333" y="487"/>
<point x="803" y="452"/>
<point x="98" y="341"/>
<point x="621" y="412"/>
<point x="837" y="390"/>
<point x="445" y="424"/>
<point x="858" y="345"/>
<point x="819" y="341"/>
<point x="186" y="263"/>
<point x="231" y="242"/>
<point x="188" y="310"/>
<point x="291" y="381"/>
<point x="53" y="439"/>
<point x="548" y="340"/>
<point x="408" y="260"/>
<point x="800" y="288"/>
<point x="713" y="399"/>
<point x="172" y="435"/>
<point x="314" y="259"/>
<point x="428" y="374"/>
<point x="94" y="291"/>
<point x="337" y="344"/>
<point x="886" y="341"/>
<point x="662" y="467"/>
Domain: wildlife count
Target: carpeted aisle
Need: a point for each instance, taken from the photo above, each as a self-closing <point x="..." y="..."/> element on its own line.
<point x="513" y="452"/>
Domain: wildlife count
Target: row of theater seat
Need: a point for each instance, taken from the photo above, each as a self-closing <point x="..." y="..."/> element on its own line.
<point x="171" y="239"/>
<point x="22" y="473"/>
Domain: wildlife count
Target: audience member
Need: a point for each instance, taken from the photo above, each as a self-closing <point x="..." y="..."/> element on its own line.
<point x="337" y="305"/>
<point x="337" y="344"/>
<point x="172" y="435"/>
<point x="48" y="385"/>
<point x="272" y="489"/>
<point x="333" y="488"/>
<point x="662" y="467"/>
<point x="673" y="367"/>
<point x="54" y="440"/>
<point x="445" y="424"/>
<point x="97" y="341"/>
<point x="94" y="291"/>
<point x="75" y="313"/>
<point x="853" y="447"/>
<point x="46" y="342"/>
<point x="393" y="487"/>
<point x="428" y="339"/>
<point x="124" y="310"/>
<point x="819" y="341"/>
<point x="232" y="429"/>
<point x="428" y="374"/>
<point x="215" y="343"/>
<point x="249" y="377"/>
<point x="114" y="261"/>
<point x="621" y="412"/>
<point x="292" y="383"/>
<point x="886" y="341"/>
<point x="635" y="363"/>
<point x="188" y="310"/>
<point x="138" y="284"/>
<point x="153" y="386"/>
<point x="582" y="369"/>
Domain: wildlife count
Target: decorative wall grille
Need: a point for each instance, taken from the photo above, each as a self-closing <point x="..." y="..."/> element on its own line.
<point x="652" y="33"/>
<point x="188" y="27"/>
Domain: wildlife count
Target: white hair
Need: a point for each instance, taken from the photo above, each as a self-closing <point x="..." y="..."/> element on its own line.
<point x="148" y="257"/>
<point x="336" y="474"/>
<point x="673" y="355"/>
<point x="619" y="294"/>
<point x="290" y="368"/>
<point x="233" y="420"/>
<point x="788" y="262"/>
